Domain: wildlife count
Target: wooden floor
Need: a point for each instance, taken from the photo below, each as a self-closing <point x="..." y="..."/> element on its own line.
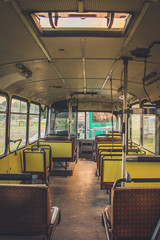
<point x="81" y="202"/>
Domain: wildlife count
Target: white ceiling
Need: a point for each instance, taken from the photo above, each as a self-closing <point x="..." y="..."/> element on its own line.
<point x="78" y="61"/>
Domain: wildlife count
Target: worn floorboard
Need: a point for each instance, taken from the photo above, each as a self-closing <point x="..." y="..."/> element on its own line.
<point x="81" y="202"/>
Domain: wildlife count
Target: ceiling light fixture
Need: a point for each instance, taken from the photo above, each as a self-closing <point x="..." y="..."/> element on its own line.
<point x="23" y="70"/>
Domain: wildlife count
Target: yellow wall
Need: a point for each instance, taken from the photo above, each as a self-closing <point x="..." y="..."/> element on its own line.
<point x="12" y="163"/>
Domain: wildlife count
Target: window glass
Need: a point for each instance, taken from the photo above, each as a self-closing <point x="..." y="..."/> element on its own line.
<point x="136" y="128"/>
<point x="33" y="122"/>
<point x="15" y="105"/>
<point x="136" y="105"/>
<point x="99" y="123"/>
<point x="81" y="124"/>
<point x="23" y="107"/>
<point x="43" y="122"/>
<point x="149" y="132"/>
<point x="3" y="103"/>
<point x="59" y="121"/>
<point x="3" y="115"/>
<point x="18" y="123"/>
<point x="34" y="108"/>
<point x="18" y="106"/>
<point x="74" y="123"/>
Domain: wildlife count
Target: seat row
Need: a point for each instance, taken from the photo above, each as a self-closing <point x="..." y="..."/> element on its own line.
<point x="133" y="213"/>
<point x="109" y="161"/>
<point x="26" y="211"/>
<point x="39" y="158"/>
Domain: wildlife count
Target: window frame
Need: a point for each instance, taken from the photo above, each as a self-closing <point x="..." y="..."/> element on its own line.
<point x="78" y="32"/>
<point x="142" y="141"/>
<point x="131" y="121"/>
<point x="24" y="100"/>
<point x="3" y="94"/>
<point x="46" y="107"/>
<point x="39" y="122"/>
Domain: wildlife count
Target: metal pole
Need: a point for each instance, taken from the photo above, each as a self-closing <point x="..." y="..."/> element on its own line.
<point x="70" y="119"/>
<point x="125" y="119"/>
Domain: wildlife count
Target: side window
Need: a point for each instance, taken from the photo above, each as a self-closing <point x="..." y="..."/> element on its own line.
<point x="3" y="116"/>
<point x="136" y="128"/>
<point x="43" y="121"/>
<point x="18" y="123"/>
<point x="34" y="122"/>
<point x="149" y="132"/>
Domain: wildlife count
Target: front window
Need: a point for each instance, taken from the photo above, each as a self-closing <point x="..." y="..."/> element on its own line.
<point x="59" y="124"/>
<point x="81" y="124"/>
<point x="99" y="123"/>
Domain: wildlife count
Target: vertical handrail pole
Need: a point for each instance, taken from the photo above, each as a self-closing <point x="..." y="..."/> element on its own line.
<point x="124" y="126"/>
<point x="70" y="118"/>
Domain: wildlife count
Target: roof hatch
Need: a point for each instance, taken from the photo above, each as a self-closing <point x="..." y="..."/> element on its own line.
<point x="82" y="24"/>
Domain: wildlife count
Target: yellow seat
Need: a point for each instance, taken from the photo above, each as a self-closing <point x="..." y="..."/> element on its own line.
<point x="48" y="151"/>
<point x="34" y="161"/>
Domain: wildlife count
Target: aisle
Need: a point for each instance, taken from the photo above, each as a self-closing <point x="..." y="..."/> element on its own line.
<point x="81" y="202"/>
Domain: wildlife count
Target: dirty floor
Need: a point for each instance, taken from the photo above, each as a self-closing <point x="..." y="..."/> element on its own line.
<point x="81" y="202"/>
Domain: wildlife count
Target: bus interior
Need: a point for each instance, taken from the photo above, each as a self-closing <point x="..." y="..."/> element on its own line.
<point x="80" y="119"/>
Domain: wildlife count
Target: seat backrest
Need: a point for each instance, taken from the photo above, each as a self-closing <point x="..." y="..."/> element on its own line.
<point x="61" y="149"/>
<point x="48" y="154"/>
<point x="35" y="161"/>
<point x="134" y="212"/>
<point x="110" y="171"/>
<point x="24" y="209"/>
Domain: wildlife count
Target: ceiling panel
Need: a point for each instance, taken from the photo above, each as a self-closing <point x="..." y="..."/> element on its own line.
<point x="16" y="43"/>
<point x="106" y="94"/>
<point x="136" y="90"/>
<point x="136" y="71"/>
<point x="39" y="86"/>
<point x="147" y="32"/>
<point x="70" y="68"/>
<point x="116" y="84"/>
<point x="98" y="68"/>
<point x="92" y="5"/>
<point x="35" y="93"/>
<point x="110" y="5"/>
<point x="52" y="84"/>
<point x="44" y="5"/>
<point x="116" y="74"/>
<point x="154" y="91"/>
<point x="101" y="47"/>
<point x="66" y="47"/>
<point x="75" y="83"/>
<point x="52" y="96"/>
<point x="11" y="76"/>
<point x="42" y="70"/>
<point x="94" y="84"/>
